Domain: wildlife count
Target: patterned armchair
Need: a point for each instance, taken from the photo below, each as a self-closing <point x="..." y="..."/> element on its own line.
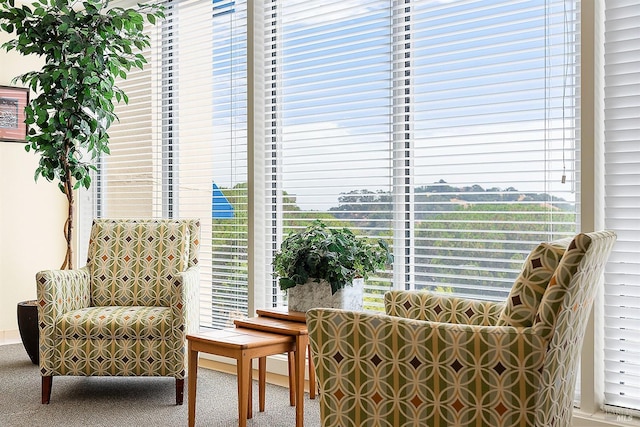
<point x="436" y="360"/>
<point x="127" y="312"/>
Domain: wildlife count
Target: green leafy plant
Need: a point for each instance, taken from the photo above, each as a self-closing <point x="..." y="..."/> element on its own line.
<point x="335" y="255"/>
<point x="86" y="46"/>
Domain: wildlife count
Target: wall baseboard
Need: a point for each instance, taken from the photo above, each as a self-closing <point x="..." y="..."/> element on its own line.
<point x="10" y="337"/>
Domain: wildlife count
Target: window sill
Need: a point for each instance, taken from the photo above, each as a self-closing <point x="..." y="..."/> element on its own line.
<point x="602" y="419"/>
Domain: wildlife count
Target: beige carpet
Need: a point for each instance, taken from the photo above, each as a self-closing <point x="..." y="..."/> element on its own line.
<point x="128" y="402"/>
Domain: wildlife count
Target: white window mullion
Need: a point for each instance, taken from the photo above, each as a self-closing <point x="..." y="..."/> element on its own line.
<point x="275" y="199"/>
<point x="259" y="293"/>
<point x="168" y="113"/>
<point x="402" y="149"/>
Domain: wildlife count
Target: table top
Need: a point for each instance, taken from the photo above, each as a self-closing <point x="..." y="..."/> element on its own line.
<point x="239" y="337"/>
<point x="273" y="325"/>
<point x="283" y="313"/>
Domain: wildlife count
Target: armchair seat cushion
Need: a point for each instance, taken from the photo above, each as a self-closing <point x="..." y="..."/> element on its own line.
<point x="116" y="322"/>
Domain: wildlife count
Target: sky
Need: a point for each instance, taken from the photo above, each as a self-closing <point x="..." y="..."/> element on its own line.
<point x="484" y="103"/>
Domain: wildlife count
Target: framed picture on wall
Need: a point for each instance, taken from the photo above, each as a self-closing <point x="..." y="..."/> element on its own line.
<point x="12" y="103"/>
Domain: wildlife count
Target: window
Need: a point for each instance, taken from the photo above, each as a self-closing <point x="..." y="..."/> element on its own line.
<point x="445" y="127"/>
<point x="450" y="128"/>
<point x="179" y="149"/>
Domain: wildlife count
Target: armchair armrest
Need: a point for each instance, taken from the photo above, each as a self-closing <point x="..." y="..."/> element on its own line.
<point x="184" y="301"/>
<point x="60" y="291"/>
<point x="423" y="305"/>
<point x="374" y="369"/>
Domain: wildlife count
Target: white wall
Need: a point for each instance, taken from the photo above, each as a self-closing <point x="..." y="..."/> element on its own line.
<point x="32" y="214"/>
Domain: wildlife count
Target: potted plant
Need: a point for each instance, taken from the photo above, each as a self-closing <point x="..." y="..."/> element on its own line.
<point x="326" y="267"/>
<point x="85" y="45"/>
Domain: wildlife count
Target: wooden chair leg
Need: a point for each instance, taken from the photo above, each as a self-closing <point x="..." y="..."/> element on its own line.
<point x="179" y="391"/>
<point x="46" y="388"/>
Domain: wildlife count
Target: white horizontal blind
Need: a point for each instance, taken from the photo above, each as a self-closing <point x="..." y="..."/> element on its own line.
<point x="179" y="150"/>
<point x="622" y="192"/>
<point x="128" y="182"/>
<point x="444" y="127"/>
<point x="328" y="131"/>
<point x="495" y="95"/>
<point x="229" y="161"/>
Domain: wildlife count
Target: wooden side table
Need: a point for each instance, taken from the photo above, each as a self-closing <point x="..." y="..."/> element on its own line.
<point x="298" y="330"/>
<point x="242" y="345"/>
<point x="294" y="316"/>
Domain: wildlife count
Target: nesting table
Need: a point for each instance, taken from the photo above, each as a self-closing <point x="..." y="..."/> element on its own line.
<point x="294" y="316"/>
<point x="290" y="328"/>
<point x="242" y="345"/>
<point x="273" y="331"/>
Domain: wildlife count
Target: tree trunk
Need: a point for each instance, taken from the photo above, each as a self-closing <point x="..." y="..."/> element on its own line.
<point x="68" y="226"/>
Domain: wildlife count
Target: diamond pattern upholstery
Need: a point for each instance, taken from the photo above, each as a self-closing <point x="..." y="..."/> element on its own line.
<point x="438" y="360"/>
<point x="127" y="312"/>
<point x="530" y="285"/>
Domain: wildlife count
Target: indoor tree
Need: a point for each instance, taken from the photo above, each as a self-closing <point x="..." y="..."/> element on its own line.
<point x="86" y="45"/>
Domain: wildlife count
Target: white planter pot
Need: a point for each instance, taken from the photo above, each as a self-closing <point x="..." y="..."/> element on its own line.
<point x="318" y="295"/>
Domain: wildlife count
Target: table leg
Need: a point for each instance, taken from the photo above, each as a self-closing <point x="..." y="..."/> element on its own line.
<point x="250" y="391"/>
<point x="302" y="341"/>
<point x="312" y="376"/>
<point x="292" y="378"/>
<point x="243" y="365"/>
<point x="192" y="379"/>
<point x="262" y="380"/>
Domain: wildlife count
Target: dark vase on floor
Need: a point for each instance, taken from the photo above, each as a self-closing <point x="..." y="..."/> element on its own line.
<point x="28" y="326"/>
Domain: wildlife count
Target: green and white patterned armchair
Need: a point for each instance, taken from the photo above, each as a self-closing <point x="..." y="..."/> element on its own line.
<point x="436" y="360"/>
<point x="127" y="312"/>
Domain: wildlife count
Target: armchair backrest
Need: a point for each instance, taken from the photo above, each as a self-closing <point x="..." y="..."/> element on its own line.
<point x="133" y="261"/>
<point x="562" y="318"/>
